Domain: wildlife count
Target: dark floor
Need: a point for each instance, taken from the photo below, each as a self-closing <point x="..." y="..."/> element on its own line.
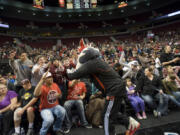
<point x="151" y="126"/>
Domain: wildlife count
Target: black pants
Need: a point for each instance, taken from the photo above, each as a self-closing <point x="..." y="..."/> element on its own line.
<point x="6" y="122"/>
<point x="113" y="116"/>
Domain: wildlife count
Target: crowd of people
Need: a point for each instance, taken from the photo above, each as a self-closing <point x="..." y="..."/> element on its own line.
<point x="39" y="83"/>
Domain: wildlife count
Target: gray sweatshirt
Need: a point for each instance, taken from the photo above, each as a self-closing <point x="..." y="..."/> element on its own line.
<point x="21" y="69"/>
<point x="129" y="73"/>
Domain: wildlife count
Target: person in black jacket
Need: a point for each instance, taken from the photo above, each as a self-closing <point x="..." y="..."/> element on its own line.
<point x="119" y="69"/>
<point x="150" y="87"/>
<point x="168" y="58"/>
<point x="108" y="81"/>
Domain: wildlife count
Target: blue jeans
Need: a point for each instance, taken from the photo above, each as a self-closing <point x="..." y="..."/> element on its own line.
<point x="78" y="104"/>
<point x="48" y="118"/>
<point x="175" y="98"/>
<point x="162" y="102"/>
<point x="150" y="101"/>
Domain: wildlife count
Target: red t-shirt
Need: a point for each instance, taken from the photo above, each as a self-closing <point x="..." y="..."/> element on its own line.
<point x="48" y="98"/>
<point x="120" y="48"/>
<point x="75" y="91"/>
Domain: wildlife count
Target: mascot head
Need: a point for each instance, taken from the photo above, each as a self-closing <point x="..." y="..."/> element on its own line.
<point x="88" y="53"/>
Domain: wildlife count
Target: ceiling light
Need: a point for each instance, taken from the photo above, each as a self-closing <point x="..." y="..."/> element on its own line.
<point x="115" y="1"/>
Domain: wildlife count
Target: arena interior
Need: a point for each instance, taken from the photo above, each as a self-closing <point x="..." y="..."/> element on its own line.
<point x="138" y="40"/>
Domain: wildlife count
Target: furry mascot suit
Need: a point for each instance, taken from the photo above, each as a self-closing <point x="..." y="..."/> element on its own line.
<point x="111" y="85"/>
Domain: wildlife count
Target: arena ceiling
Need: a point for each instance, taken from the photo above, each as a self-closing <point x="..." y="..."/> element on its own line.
<point x="23" y="9"/>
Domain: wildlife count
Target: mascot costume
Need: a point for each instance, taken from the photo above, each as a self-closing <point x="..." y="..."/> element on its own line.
<point x="91" y="64"/>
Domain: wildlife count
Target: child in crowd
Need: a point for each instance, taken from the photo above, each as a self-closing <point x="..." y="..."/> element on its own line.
<point x="136" y="102"/>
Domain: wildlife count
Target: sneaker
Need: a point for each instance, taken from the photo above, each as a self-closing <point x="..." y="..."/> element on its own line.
<point x="66" y="130"/>
<point x="159" y="114"/>
<point x="133" y="126"/>
<point x="30" y="131"/>
<point x="155" y="113"/>
<point x="100" y="126"/>
<point x="144" y="115"/>
<point x="87" y="126"/>
<point x="139" y="116"/>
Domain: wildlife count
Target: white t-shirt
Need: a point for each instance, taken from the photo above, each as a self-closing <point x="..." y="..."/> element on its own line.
<point x="36" y="77"/>
<point x="158" y="63"/>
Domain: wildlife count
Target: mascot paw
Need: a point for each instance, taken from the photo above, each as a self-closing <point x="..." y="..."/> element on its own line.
<point x="70" y="70"/>
<point x="133" y="126"/>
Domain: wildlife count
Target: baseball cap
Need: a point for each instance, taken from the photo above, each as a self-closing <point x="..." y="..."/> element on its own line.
<point x="48" y="75"/>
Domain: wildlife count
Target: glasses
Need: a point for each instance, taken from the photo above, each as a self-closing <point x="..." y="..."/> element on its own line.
<point x="4" y="88"/>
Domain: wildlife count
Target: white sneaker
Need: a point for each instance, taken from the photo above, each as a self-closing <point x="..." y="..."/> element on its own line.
<point x="159" y="114"/>
<point x="155" y="113"/>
